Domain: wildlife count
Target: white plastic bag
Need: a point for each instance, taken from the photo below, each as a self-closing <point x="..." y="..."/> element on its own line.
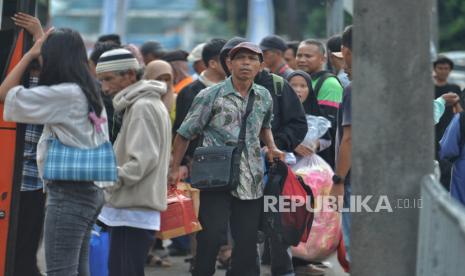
<point x="317" y="127"/>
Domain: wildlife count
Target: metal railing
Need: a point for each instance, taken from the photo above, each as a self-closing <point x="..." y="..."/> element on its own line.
<point x="441" y="235"/>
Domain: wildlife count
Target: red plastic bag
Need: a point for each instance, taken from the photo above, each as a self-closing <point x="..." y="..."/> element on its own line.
<point x="179" y="219"/>
<point x="342" y="257"/>
<point x="301" y="218"/>
<point x="292" y="223"/>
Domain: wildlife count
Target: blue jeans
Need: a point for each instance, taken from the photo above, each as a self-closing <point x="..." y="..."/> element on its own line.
<point x="71" y="211"/>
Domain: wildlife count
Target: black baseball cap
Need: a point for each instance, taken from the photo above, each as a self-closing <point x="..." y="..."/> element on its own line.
<point x="273" y="42"/>
<point x="175" y="55"/>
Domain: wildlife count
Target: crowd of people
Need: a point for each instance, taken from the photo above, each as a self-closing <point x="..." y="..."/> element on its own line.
<point x="155" y="114"/>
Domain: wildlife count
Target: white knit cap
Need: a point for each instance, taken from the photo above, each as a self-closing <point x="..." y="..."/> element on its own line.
<point x="196" y="53"/>
<point x="116" y="60"/>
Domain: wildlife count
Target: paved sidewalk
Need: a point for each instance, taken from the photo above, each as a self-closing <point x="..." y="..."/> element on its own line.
<point x="180" y="268"/>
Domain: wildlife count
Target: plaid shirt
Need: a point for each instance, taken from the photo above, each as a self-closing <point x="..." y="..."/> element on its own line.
<point x="31" y="180"/>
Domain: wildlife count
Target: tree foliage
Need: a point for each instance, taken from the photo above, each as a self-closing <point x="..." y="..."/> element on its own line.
<point x="451" y="24"/>
<point x="309" y="16"/>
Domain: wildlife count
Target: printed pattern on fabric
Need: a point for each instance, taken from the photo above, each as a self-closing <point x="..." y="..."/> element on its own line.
<point x="31" y="180"/>
<point x="220" y="123"/>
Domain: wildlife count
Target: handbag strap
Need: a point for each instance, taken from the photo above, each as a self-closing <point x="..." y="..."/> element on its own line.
<point x="248" y="110"/>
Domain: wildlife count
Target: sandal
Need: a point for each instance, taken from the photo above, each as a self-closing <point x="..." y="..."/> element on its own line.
<point x="157" y="261"/>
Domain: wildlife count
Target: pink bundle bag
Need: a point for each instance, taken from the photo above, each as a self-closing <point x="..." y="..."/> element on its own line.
<point x="326" y="231"/>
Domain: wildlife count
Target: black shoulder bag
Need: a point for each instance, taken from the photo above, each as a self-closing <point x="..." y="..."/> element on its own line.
<point x="216" y="168"/>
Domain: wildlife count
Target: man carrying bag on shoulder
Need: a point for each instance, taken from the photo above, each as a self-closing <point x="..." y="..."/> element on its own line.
<point x="218" y="113"/>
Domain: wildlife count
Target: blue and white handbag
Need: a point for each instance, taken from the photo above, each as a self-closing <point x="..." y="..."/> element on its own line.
<point x="75" y="164"/>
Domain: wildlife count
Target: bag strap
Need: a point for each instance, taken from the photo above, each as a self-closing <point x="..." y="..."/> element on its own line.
<point x="320" y="82"/>
<point x="278" y="82"/>
<point x="248" y="110"/>
<point x="244" y="117"/>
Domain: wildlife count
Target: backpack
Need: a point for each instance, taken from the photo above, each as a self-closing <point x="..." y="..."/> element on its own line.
<point x="278" y="83"/>
<point x="289" y="226"/>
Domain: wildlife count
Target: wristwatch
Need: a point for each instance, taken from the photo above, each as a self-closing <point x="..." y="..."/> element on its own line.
<point x="337" y="179"/>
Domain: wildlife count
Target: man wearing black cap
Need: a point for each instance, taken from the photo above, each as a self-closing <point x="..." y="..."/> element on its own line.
<point x="178" y="60"/>
<point x="151" y="50"/>
<point x="209" y="77"/>
<point x="217" y="114"/>
<point x="273" y="48"/>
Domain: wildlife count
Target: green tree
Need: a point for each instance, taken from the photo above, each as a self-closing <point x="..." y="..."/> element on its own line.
<point x="451" y="24"/>
<point x="294" y="19"/>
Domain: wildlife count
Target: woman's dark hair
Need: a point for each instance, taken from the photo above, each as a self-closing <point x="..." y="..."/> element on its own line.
<point x="310" y="104"/>
<point x="65" y="60"/>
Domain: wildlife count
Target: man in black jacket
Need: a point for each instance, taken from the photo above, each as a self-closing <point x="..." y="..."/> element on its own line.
<point x="289" y="127"/>
<point x="211" y="76"/>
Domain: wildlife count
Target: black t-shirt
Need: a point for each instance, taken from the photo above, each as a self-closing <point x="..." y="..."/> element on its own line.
<point x="448" y="112"/>
<point x="184" y="101"/>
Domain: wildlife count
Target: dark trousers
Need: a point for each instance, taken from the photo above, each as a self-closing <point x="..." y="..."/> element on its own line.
<point x="281" y="259"/>
<point x="128" y="250"/>
<point x="446" y="172"/>
<point x="30" y="224"/>
<point x="217" y="209"/>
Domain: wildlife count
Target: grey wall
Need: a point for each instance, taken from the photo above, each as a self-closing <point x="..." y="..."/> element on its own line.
<point x="392" y="130"/>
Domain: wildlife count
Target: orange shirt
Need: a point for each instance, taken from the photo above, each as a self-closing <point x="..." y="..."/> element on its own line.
<point x="180" y="85"/>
